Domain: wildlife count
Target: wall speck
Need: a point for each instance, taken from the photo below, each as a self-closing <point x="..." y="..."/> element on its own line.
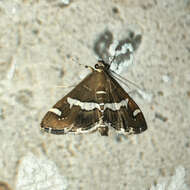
<point x="4" y="186"/>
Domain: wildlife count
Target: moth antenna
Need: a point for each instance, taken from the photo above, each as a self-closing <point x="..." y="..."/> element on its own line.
<point x="61" y="86"/>
<point x="119" y="77"/>
<point x="113" y="58"/>
<point x="86" y="66"/>
<point x="89" y="67"/>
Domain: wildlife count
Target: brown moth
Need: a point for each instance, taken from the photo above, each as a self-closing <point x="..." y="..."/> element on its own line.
<point x="97" y="103"/>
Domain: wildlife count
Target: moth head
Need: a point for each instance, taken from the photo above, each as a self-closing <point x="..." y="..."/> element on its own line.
<point x="101" y="66"/>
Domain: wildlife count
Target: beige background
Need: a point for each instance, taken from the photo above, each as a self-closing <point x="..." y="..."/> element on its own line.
<point x="39" y="40"/>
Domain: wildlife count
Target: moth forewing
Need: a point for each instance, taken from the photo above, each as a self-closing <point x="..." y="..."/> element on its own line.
<point x="98" y="103"/>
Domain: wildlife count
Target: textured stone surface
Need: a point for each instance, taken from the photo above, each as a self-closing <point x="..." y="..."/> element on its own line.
<point x="39" y="173"/>
<point x="41" y="44"/>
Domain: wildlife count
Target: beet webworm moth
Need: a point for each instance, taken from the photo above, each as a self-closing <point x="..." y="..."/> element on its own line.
<point x="98" y="103"/>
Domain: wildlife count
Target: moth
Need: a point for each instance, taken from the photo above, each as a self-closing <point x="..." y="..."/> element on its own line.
<point x="97" y="103"/>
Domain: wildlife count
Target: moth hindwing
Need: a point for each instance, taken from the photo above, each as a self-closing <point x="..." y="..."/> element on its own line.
<point x="97" y="103"/>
